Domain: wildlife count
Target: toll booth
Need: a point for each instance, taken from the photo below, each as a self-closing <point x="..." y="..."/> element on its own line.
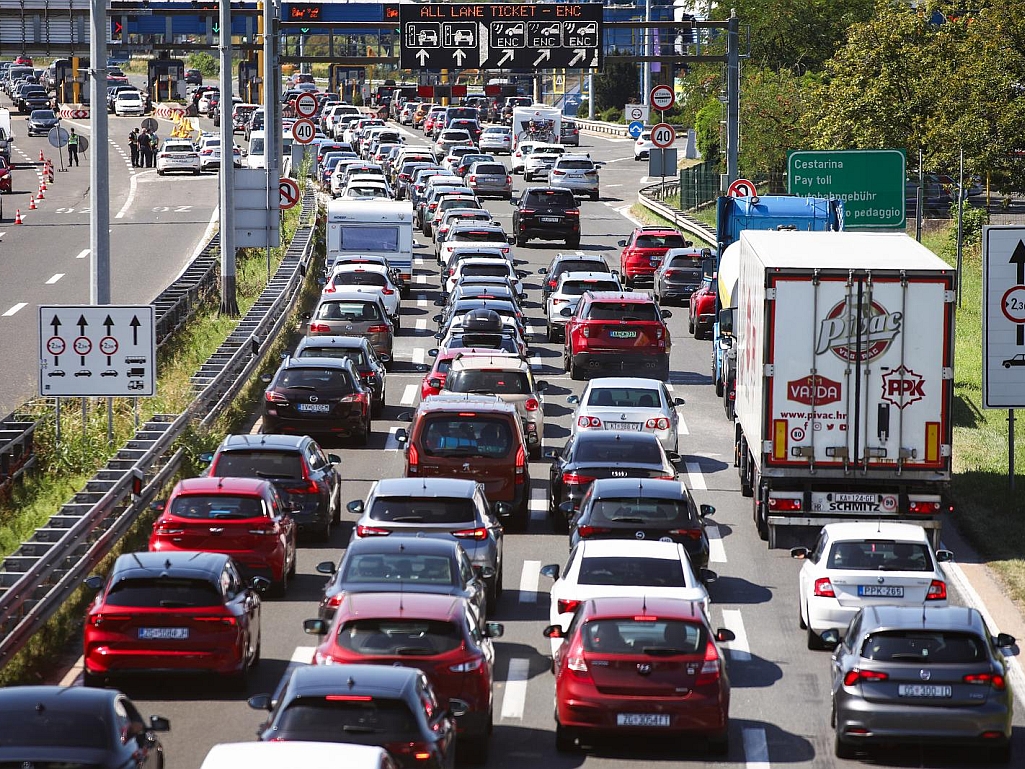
<point x="62" y="78"/>
<point x="249" y="80"/>
<point x="165" y="79"/>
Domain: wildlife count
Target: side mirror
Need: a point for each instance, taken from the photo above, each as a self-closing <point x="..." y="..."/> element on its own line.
<point x="405" y="416"/>
<point x="707" y="510"/>
<point x="95" y="582"/>
<point x="438" y="336"/>
<point x="943" y="556"/>
<point x="440" y="303"/>
<point x="434" y="382"/>
<point x="206" y="457"/>
<point x="315" y="626"/>
<point x="831" y="638"/>
<point x="157" y="505"/>
<point x="494" y="629"/>
<point x="401" y="436"/>
<point x="553" y="631"/>
<point x="667" y="313"/>
<point x="437" y="318"/>
<point x="266" y="378"/>
<point x="307" y="316"/>
<point x="574" y="399"/>
<point x="550" y="454"/>
<point x="724" y="635"/>
<point x="334" y="459"/>
<point x="566" y="312"/>
<point x="1004" y="640"/>
<point x="543" y="271"/>
<point x="433" y="352"/>
<point x="159" y="724"/>
<point x="541" y="385"/>
<point x="800" y="553"/>
<point x="326" y="567"/>
<point x="621" y="243"/>
<point x="566" y="507"/>
<point x="485" y="572"/>
<point x="674" y="457"/>
<point x="551" y="570"/>
<point x="501" y="509"/>
<point x="259" y="584"/>
<point x="511" y="240"/>
<point x="260" y="702"/>
<point x="708" y="576"/>
<point x="678" y="401"/>
<point x="321" y="281"/>
<point x="355" y="506"/>
<point x="384" y="357"/>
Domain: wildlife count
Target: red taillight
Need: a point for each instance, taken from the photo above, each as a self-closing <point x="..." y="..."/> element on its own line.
<point x="694" y="534"/>
<point x="527" y="211"/>
<point x="508" y="179"/>
<point x="923" y="508"/>
<point x="336" y="600"/>
<point x="329" y="288"/>
<point x="576" y="479"/>
<point x="532" y="404"/>
<point x="382" y="329"/>
<point x="661" y="423"/>
<point x="781" y="504"/>
<point x="567" y="605"/>
<point x="272" y="397"/>
<point x="473" y="178"/>
<point x="413" y="459"/>
<point x="824" y="588"/>
<point x="320" y="328"/>
<point x="226" y="621"/>
<point x="371" y="531"/>
<point x="552" y="283"/>
<point x="995" y="680"/>
<point x="479" y="534"/>
<point x="586" y="421"/>
<point x="589" y="531"/>
<point x="417" y="750"/>
<point x="572" y="212"/>
<point x="857" y="675"/>
<point x="937" y="591"/>
<point x="712" y="667"/>
<point x="96" y="620"/>
<point x="521" y="464"/>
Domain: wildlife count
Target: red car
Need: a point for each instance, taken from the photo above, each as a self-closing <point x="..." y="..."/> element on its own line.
<point x="640" y="667"/>
<point x="6" y="176"/>
<point x="617" y="331"/>
<point x="702" y="309"/>
<point x="434" y="380"/>
<point x="241" y="517"/>
<point x="181" y="612"/>
<point x="643" y="252"/>
<point x="442" y="635"/>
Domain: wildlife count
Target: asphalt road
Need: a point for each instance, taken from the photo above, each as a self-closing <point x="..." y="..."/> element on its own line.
<point x="156" y="224"/>
<point x="780" y="694"/>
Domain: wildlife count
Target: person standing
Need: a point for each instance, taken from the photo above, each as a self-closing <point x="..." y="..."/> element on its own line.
<point x="72" y="148"/>
<point x="144" y="148"/>
<point x="133" y="145"/>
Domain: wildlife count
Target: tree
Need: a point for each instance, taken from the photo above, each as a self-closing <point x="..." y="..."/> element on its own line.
<point x="771" y="106"/>
<point x="706" y="129"/>
<point x="616" y="85"/>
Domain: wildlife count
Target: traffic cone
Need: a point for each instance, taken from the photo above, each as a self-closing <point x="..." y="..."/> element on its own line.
<point x="49" y="171"/>
<point x="31" y="205"/>
<point x="41" y="156"/>
<point x="17" y="217"/>
<point x="41" y="196"/>
<point x="42" y="184"/>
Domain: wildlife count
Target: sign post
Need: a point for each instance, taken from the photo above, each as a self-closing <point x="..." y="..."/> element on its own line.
<point x="871" y="184"/>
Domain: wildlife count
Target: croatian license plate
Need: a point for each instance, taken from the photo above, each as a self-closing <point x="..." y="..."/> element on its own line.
<point x="550" y="219"/>
<point x="881" y="591"/>
<point x="618" y="334"/>
<point x="163" y="633"/>
<point x="923" y="690"/>
<point x="623" y="426"/>
<point x="316" y="407"/>
<point x="642" y="719"/>
<point x="655" y="261"/>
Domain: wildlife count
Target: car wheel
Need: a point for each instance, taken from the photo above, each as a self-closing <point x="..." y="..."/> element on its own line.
<point x="197" y="172"/>
<point x="535" y="452"/>
<point x="594" y="195"/>
<point x="397" y="320"/>
<point x="377" y="409"/>
<point x="565" y="740"/>
<point x="492" y="600"/>
<point x="718" y="388"/>
<point x="336" y="508"/>
<point x="690" y="327"/>
<point x="521" y="241"/>
<point x="575" y="372"/>
<point x="559" y="523"/>
<point x="257" y="654"/>
<point x="498" y="580"/>
<point x="842" y="749"/>
<point x="159" y="172"/>
<point x="280" y="587"/>
<point x="363" y="436"/>
<point x="800" y="618"/>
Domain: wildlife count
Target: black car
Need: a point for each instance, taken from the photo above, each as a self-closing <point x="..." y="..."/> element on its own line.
<point x="318" y="395"/>
<point x="506" y="308"/>
<point x="193" y="77"/>
<point x="547" y="213"/>
<point x="34" y="98"/>
<point x="594" y="454"/>
<point x="51" y="726"/>
<point x="421" y="564"/>
<point x="369" y="364"/>
<point x="302" y="473"/>
<point x="41" y="121"/>
<point x="638" y="508"/>
<point x="502" y="290"/>
<point x="578" y="262"/>
<point x="392" y="707"/>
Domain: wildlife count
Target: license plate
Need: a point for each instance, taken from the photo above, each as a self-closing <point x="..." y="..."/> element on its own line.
<point x="163" y="633"/>
<point x="550" y="219"/>
<point x="846" y="497"/>
<point x="654" y="261"/>
<point x="642" y="719"/>
<point x="622" y="334"/>
<point x="923" y="690"/>
<point x="880" y="591"/>
<point x="623" y="426"/>
<point x="317" y="407"/>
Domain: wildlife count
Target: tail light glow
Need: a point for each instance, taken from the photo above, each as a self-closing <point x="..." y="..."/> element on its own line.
<point x="589" y="531"/>
<point x="995" y="680"/>
<point x="576" y="479"/>
<point x="320" y="328"/>
<point x="712" y="667"/>
<point x="479" y="534"/>
<point x="824" y="588"/>
<point x="532" y="404"/>
<point x="371" y="531"/>
<point x="857" y="675"/>
<point x="937" y="591"/>
<point x="521" y="465"/>
<point x="661" y="423"/>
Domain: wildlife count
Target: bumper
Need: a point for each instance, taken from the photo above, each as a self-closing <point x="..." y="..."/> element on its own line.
<point x="250" y="563"/>
<point x="640" y="270"/>
<point x="907" y="723"/>
<point x="692" y="714"/>
<point x="273" y="423"/>
<point x="826" y="614"/>
<point x="548" y="231"/>
<point x="112" y="660"/>
<point x="312" y="514"/>
<point x="608" y="361"/>
<point x="676" y="291"/>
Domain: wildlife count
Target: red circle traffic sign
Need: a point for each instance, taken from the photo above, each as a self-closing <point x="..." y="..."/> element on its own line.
<point x="306" y="105"/>
<point x="1012" y="304"/>
<point x="662" y="97"/>
<point x="108" y="345"/>
<point x="663" y="135"/>
<point x="82" y="345"/>
<point x="303" y="131"/>
<point x="742" y="188"/>
<point x="288" y="192"/>
<point x="55" y="345"/>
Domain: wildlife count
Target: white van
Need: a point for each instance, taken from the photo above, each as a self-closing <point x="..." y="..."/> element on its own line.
<point x="6" y="134"/>
<point x="379" y="227"/>
<point x="309" y="755"/>
<point x="257" y="157"/>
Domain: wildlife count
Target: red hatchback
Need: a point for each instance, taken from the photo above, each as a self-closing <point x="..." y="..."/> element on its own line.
<point x="702" y="309"/>
<point x="241" y="517"/>
<point x="444" y="636"/>
<point x="640" y="667"/>
<point x="643" y="252"/>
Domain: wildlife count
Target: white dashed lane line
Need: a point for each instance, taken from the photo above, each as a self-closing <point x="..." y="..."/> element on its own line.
<point x="83" y="254"/>
<point x="716" y="551"/>
<point x="695" y="478"/>
<point x="529" y="578"/>
<point x="408" y="395"/>
<point x="516" y="688"/>
<point x="14" y="309"/>
<point x="738" y="647"/>
<point x="391" y="443"/>
<point x="55" y="278"/>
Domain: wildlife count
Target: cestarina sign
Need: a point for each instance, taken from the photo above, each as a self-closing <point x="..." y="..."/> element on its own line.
<point x="855" y="332"/>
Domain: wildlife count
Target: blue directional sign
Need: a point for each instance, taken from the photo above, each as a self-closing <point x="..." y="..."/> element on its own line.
<point x="635" y="128"/>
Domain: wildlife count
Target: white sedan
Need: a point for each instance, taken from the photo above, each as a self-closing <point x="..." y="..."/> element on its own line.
<point x="366" y="278"/>
<point x="492" y="268"/>
<point x="178" y="155"/>
<point x="860" y="564"/>
<point x="622" y="567"/>
<point x="629" y="404"/>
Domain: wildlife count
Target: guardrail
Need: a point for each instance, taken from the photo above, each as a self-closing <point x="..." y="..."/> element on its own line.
<point x="651" y="198"/>
<point x="38" y="577"/>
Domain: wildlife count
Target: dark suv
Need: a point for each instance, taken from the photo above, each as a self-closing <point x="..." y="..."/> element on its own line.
<point x="357" y="349"/>
<point x="578" y="262"/>
<point x="547" y="213"/>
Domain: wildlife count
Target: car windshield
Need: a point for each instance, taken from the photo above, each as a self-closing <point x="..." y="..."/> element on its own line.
<point x="338" y="718"/>
<point x="217" y="506"/>
<point x="643" y="510"/>
<point x="923" y="646"/>
<point x="880" y="555"/>
<point x="402" y="637"/>
<point x="624" y="397"/>
<point x="360" y="278"/>
<point x="639" y="572"/>
<point x="495" y="169"/>
<point x="622" y="311"/>
<point x="54" y="728"/>
<point x="578" y="287"/>
<point x="602" y="448"/>
<point x="42" y="114"/>
<point x="656" y="637"/>
<point x="350" y="311"/>
<point x="354" y="354"/>
<point x="258" y="463"/>
<point x="333" y="380"/>
<point x="466" y="435"/>
<point x="423" y="510"/>
<point x="398" y="567"/>
<point x="163" y="592"/>
<point x="483" y="381"/>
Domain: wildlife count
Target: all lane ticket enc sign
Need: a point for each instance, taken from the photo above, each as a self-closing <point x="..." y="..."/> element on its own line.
<point x="504" y="36"/>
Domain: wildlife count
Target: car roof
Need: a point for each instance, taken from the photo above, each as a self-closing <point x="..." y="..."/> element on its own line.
<point x="662" y="608"/>
<point x="605" y="436"/>
<point x="462" y="402"/>
<point x="272" y="755"/>
<point x="639" y="297"/>
<point x="274" y="441"/>
<point x="578" y="275"/>
<point x="860" y="531"/>
<point x="503" y="361"/>
<point x="349" y="296"/>
<point x="375" y="680"/>
<point x="641" y="488"/>
<point x="75" y="698"/>
<point x="623" y="381"/>
<point x="400" y="604"/>
<point x="344" y="342"/>
<point x="380" y="269"/>
<point x="410" y="544"/>
<point x="886" y="617"/>
<point x="642" y="548"/>
<point x="462" y="488"/>
<point x="172" y="563"/>
<point x="316" y="362"/>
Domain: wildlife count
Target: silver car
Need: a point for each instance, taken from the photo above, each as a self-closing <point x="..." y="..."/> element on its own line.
<point x="930" y="677"/>
<point x="538" y="163"/>
<point x="436" y="506"/>
<point x="489" y="179"/>
<point x="629" y="404"/>
<point x="567" y="293"/>
<point x="576" y="172"/>
<point x="496" y="139"/>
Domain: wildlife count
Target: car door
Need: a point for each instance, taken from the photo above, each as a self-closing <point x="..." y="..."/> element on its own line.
<point x="472" y="582"/>
<point x="811" y="568"/>
<point x="285" y="529"/>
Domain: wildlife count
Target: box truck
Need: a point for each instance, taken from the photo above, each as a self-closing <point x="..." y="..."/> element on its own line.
<point x="536" y="123"/>
<point x="844" y="379"/>
<point x="377" y="227"/>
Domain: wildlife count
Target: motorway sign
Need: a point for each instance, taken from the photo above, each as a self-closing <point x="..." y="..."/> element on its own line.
<point x="1003" y="317"/>
<point x="663" y="135"/>
<point x="96" y="350"/>
<point x="436" y="36"/>
<point x="303" y="131"/>
<point x="306" y="105"/>
<point x="869" y="182"/>
<point x="636" y="128"/>
<point x="288" y="192"/>
<point x="662" y="97"/>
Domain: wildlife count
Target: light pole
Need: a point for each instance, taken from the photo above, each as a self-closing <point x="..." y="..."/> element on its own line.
<point x="229" y="295"/>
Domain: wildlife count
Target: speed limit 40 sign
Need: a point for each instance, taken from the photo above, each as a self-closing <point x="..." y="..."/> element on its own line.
<point x="663" y="135"/>
<point x="303" y="131"/>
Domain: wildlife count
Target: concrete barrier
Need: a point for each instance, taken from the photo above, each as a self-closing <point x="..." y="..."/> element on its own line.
<point x="601" y="127"/>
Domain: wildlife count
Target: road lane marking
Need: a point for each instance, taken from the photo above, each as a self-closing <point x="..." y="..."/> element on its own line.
<point x="14" y="309"/>
<point x="421" y="300"/>
<point x="84" y="253"/>
<point x="538" y="504"/>
<point x="418" y="356"/>
<point x="421" y="324"/>
<point x="529" y="578"/>
<point x="681" y="426"/>
<point x="716" y="551"/>
<point x="516" y="688"/>
<point x="2" y="234"/>
<point x="422" y="279"/>
<point x="54" y="278"/>
<point x="695" y="478"/>
<point x="738" y="647"/>
<point x="133" y="188"/>
<point x="391" y="443"/>
<point x="756" y="748"/>
<point x="535" y="363"/>
<point x="408" y="395"/>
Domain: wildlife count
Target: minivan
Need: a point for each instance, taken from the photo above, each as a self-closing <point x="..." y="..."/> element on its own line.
<point x="257" y="157"/>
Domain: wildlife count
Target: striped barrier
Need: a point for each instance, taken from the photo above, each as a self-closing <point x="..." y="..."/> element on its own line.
<point x="74" y="111"/>
<point x="169" y="111"/>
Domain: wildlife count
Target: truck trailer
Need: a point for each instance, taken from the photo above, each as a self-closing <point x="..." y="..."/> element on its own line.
<point x="844" y="379"/>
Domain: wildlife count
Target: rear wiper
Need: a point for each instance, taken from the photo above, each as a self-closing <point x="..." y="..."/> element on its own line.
<point x="264" y="474"/>
<point x="357" y="729"/>
<point x="408" y="519"/>
<point x="166" y="604"/>
<point x="663" y="651"/>
<point x="906" y="656"/>
<point x="300" y="387"/>
<point x="457" y="453"/>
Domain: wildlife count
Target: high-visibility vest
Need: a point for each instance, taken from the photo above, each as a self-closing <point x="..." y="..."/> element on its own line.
<point x="73" y="141"/>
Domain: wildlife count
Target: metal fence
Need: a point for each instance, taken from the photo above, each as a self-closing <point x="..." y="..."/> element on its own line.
<point x="699" y="185"/>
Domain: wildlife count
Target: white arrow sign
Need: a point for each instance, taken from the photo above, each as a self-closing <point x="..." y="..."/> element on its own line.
<point x="507" y="53"/>
<point x="459" y="54"/>
<point x="545" y="55"/>
<point x="579" y="54"/>
<point x="422" y="56"/>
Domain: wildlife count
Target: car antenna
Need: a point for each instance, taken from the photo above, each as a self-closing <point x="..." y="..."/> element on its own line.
<point x="351" y="682"/>
<point x="644" y="604"/>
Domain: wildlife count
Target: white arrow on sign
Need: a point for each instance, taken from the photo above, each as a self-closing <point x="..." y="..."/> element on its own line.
<point x="545" y="55"/>
<point x="422" y="56"/>
<point x="579" y="54"/>
<point x="507" y="53"/>
<point x="459" y="54"/>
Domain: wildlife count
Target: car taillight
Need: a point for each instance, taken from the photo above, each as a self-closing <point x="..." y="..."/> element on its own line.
<point x="262" y="531"/>
<point x="694" y="534"/>
<point x="226" y="621"/>
<point x="572" y="212"/>
<point x="320" y="328"/>
<point x="380" y="329"/>
<point x="273" y="397"/>
<point x="824" y="588"/>
<point x="508" y="179"/>
<point x="586" y="421"/>
<point x="576" y="662"/>
<point x="557" y="172"/>
<point x="576" y="479"/>
<point x="567" y="605"/>
<point x="363" y="530"/>
<point x="660" y="423"/>
<point x="589" y="531"/>
<point x="521" y="464"/>
<point x="552" y="282"/>
<point x="857" y="675"/>
<point x="413" y="459"/>
<point x="336" y="600"/>
<point x="527" y="211"/>
<point x="532" y="404"/>
<point x="387" y="291"/>
<point x="167" y="530"/>
<point x="472" y="179"/>
<point x="329" y="288"/>
<point x="96" y="620"/>
<point x="993" y="679"/>
<point x="479" y="534"/>
<point x="711" y="668"/>
<point x="585" y="331"/>
<point x="418" y="750"/>
<point x="937" y="591"/>
<point x="923" y="507"/>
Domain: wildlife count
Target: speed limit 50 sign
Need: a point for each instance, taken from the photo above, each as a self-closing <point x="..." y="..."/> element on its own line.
<point x="663" y="135"/>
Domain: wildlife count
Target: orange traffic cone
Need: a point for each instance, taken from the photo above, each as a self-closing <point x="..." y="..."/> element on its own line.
<point x="42" y="184"/>
<point x="41" y="196"/>
<point x="31" y="204"/>
<point x="41" y="156"/>
<point x="17" y="217"/>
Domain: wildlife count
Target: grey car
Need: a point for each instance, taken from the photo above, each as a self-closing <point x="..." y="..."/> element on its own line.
<point x="680" y="273"/>
<point x="934" y="676"/>
<point x="351" y="313"/>
<point x="489" y="179"/>
<point x="41" y="121"/>
<point x="439" y="506"/>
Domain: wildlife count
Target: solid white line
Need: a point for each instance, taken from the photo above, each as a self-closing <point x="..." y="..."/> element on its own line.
<point x="516" y="688"/>
<point x="14" y="309"/>
<point x="716" y="551"/>
<point x="421" y="324"/>
<point x="756" y="748"/>
<point x="681" y="427"/>
<point x="133" y="188"/>
<point x="84" y="253"/>
<point x="695" y="479"/>
<point x="71" y="678"/>
<point x="408" y="395"/>
<point x="528" y="581"/>
<point x="391" y="443"/>
<point x="54" y="278"/>
<point x="738" y="648"/>
<point x="418" y="355"/>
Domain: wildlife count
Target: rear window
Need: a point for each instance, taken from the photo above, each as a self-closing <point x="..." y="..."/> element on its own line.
<point x="217" y="506"/>
<point x="259" y="464"/>
<point x="581" y="265"/>
<point x="485" y="340"/>
<point x="622" y="311"/>
<point x="352" y="311"/>
<point x="31" y="728"/>
<point x="476" y="236"/>
<point x="354" y="354"/>
<point x="402" y="637"/>
<point x="655" y="638"/>
<point x="602" y="449"/>
<point x="322" y="380"/>
<point x="641" y="572"/>
<point x="578" y="287"/>
<point x="423" y="510"/>
<point x="642" y="510"/>
<point x="398" y="567"/>
<point x="359" y="278"/>
<point x="495" y="382"/>
<point x="163" y="592"/>
<point x="490" y="168"/>
<point x="552" y="198"/>
<point x="673" y="240"/>
<point x="325" y="720"/>
<point x="458" y="202"/>
<point x="624" y="397"/>
<point x="472" y="435"/>
<point x="920" y="647"/>
<point x="577" y="164"/>
<point x="880" y="556"/>
<point x="684" y="262"/>
<point x="490" y="270"/>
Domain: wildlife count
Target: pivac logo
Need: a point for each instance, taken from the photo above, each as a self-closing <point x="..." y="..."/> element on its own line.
<point x="855" y="331"/>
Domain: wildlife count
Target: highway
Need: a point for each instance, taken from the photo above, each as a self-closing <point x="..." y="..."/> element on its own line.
<point x="780" y="712"/>
<point x="156" y="225"/>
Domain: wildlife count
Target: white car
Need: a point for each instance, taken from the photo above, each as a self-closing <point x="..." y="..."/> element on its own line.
<point x="210" y="153"/>
<point x="178" y="155"/>
<point x="538" y="163"/>
<point x="567" y="293"/>
<point x="273" y="755"/>
<point x="462" y="215"/>
<point x="370" y="178"/>
<point x="366" y="279"/>
<point x="629" y="404"/>
<point x="518" y="155"/>
<point x="129" y="103"/>
<point x="496" y="268"/>
<point x="366" y="189"/>
<point x="496" y="139"/>
<point x="859" y="564"/>
<point x="203" y="105"/>
<point x="643" y="145"/>
<point x="613" y="568"/>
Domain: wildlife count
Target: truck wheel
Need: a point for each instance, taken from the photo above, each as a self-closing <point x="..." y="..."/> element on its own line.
<point x="757" y="510"/>
<point x="718" y="388"/>
<point x="746" y="489"/>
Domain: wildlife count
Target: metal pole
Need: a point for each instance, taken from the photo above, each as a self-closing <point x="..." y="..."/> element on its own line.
<point x="1010" y="448"/>
<point x="57" y="426"/>
<point x="590" y="95"/>
<point x="921" y="199"/>
<point x="733" y="98"/>
<point x="646" y="71"/>
<point x="229" y="295"/>
<point x="110" y="421"/>
<point x="960" y="224"/>
<point x="99" y="180"/>
<point x="272" y="133"/>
